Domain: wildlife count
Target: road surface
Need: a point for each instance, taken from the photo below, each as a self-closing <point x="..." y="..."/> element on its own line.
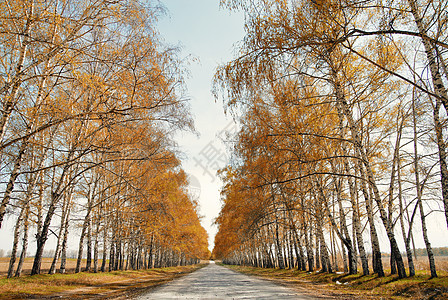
<point x="217" y="282"/>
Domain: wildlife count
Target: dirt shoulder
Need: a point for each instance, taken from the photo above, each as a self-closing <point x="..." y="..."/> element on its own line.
<point x="344" y="286"/>
<point x="109" y="285"/>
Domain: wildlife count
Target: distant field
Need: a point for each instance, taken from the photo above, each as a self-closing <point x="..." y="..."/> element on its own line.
<point x="421" y="263"/>
<point x="46" y="263"/>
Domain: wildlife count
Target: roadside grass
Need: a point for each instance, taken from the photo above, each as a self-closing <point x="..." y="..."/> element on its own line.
<point x="420" y="286"/>
<point x="87" y="284"/>
<point x="45" y="267"/>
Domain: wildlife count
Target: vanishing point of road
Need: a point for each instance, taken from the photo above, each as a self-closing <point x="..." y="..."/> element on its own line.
<point x="217" y="282"/>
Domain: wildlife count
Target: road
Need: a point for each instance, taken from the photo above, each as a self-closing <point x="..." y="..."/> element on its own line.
<point x="217" y="282"/>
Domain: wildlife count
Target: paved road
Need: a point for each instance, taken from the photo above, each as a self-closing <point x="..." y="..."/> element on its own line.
<point x="216" y="282"/>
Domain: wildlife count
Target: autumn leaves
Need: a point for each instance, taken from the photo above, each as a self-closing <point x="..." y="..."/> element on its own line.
<point x="90" y="101"/>
<point x="342" y="133"/>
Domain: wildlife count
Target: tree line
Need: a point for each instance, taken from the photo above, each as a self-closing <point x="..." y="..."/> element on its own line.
<point x="91" y="98"/>
<point x="343" y="110"/>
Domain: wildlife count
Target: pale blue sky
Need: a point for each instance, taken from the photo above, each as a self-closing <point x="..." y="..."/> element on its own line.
<point x="207" y="32"/>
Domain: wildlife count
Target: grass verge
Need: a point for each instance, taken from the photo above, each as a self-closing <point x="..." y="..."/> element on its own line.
<point x="84" y="285"/>
<point x="344" y="286"/>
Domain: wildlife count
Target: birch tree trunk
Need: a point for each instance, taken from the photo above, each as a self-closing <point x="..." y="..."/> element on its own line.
<point x="401" y="217"/>
<point x="12" y="179"/>
<point x="81" y="240"/>
<point x="439" y="87"/>
<point x="42" y="236"/>
<point x="15" y="243"/>
<point x="278" y="246"/>
<point x="104" y="256"/>
<point x="356" y="221"/>
<point x="442" y="157"/>
<point x="440" y="91"/>
<point x="325" y="261"/>
<point x="371" y="179"/>
<point x="60" y="241"/>
<point x="62" y="268"/>
<point x="432" y="265"/>
<point x="342" y="234"/>
<point x="89" y="246"/>
<point x="24" y="243"/>
<point x="309" y="249"/>
<point x="377" y="262"/>
<point x="15" y="82"/>
<point x="95" y="247"/>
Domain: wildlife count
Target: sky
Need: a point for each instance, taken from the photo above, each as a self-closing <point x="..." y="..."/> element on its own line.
<point x="208" y="33"/>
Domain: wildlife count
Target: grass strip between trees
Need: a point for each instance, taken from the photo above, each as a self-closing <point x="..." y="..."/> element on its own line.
<point x="355" y="286"/>
<point x="116" y="284"/>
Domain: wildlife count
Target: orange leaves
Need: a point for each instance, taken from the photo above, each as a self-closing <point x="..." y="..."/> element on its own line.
<point x="167" y="213"/>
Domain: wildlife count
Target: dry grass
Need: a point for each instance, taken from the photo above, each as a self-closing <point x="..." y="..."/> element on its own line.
<point x="343" y="286"/>
<point x="88" y="285"/>
<point x="45" y="267"/>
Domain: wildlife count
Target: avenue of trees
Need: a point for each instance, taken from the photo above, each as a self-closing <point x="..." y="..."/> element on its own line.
<point x="90" y="100"/>
<point x="343" y="109"/>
